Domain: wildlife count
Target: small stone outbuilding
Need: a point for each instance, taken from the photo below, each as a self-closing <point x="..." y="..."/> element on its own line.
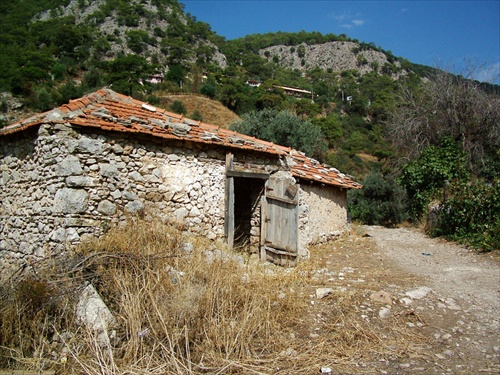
<point x="73" y="171"/>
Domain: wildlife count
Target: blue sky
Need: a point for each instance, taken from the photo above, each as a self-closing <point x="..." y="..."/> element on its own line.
<point x="446" y="34"/>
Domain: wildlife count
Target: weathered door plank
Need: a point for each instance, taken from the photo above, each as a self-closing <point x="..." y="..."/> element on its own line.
<point x="279" y="236"/>
<point x="229" y="198"/>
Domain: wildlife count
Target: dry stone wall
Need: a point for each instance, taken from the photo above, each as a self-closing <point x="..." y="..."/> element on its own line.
<point x="59" y="185"/>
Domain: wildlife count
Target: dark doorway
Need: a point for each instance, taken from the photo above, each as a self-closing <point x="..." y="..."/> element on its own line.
<point x="247" y="194"/>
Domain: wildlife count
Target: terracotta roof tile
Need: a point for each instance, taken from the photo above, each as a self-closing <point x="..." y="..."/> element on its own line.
<point x="111" y="111"/>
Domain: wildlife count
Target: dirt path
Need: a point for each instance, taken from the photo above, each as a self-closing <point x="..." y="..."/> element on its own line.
<point x="455" y="290"/>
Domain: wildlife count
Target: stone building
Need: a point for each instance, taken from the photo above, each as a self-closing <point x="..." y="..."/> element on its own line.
<point x="75" y="170"/>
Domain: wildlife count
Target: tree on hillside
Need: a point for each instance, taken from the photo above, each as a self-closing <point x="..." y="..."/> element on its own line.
<point x="234" y="94"/>
<point x="127" y="72"/>
<point x="176" y="74"/>
<point x="283" y="128"/>
<point x="178" y="107"/>
<point x="447" y="106"/>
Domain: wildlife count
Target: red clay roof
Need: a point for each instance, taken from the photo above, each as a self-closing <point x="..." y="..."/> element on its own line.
<point x="108" y="110"/>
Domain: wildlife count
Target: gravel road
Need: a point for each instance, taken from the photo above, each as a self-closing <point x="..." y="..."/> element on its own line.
<point x="458" y="295"/>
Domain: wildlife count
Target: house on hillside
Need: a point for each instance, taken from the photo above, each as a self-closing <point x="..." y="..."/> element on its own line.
<point x="298" y="93"/>
<point x="253" y="83"/>
<point x="70" y="172"/>
<point x="155" y="78"/>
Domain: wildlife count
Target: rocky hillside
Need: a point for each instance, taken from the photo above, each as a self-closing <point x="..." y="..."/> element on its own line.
<point x="143" y="27"/>
<point x="151" y="28"/>
<point x="338" y="56"/>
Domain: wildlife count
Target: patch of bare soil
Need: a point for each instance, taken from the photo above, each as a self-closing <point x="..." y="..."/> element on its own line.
<point x="442" y="299"/>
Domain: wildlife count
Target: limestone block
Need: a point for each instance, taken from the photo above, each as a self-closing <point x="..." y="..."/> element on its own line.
<point x="69" y="166"/>
<point x="323" y="292"/>
<point x="92" y="311"/>
<point x="195" y="212"/>
<point x="5" y="244"/>
<point x="39" y="252"/>
<point x="108" y="170"/>
<point x="54" y="115"/>
<point x="16" y="176"/>
<point x="129" y="195"/>
<point x="181" y="213"/>
<point x="117" y="149"/>
<point x="173" y="157"/>
<point x="180" y="197"/>
<point x="134" y="207"/>
<point x="79" y="181"/>
<point x="4" y="178"/>
<point x="106" y="208"/>
<point x="89" y="145"/>
<point x="156" y="173"/>
<point x="136" y="176"/>
<point x="79" y="222"/>
<point x="58" y="235"/>
<point x="116" y="194"/>
<point x="151" y="179"/>
<point x="71" y="201"/>
<point x="72" y="235"/>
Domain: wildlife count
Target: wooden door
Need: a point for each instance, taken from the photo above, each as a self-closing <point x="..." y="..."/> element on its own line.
<point x="280" y="221"/>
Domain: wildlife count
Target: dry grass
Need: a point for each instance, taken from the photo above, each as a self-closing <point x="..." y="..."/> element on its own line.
<point x="213" y="112"/>
<point x="186" y="312"/>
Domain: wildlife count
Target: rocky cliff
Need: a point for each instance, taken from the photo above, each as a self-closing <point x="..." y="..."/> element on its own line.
<point x="150" y="26"/>
<point x="338" y="56"/>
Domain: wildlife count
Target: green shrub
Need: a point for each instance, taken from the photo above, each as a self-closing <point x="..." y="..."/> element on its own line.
<point x="208" y="90"/>
<point x="471" y="215"/>
<point x="58" y="71"/>
<point x="43" y="99"/>
<point x="425" y="177"/>
<point x="491" y="168"/>
<point x="69" y="91"/>
<point x="92" y="79"/>
<point x="153" y="100"/>
<point x="379" y="202"/>
<point x="196" y="115"/>
<point x="178" y="107"/>
<point x="331" y="127"/>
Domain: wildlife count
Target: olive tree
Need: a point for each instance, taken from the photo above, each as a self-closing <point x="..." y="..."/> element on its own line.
<point x="283" y="128"/>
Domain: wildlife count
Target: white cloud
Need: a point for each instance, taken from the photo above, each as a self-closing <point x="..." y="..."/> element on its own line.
<point x="347" y="20"/>
<point x="339" y="17"/>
